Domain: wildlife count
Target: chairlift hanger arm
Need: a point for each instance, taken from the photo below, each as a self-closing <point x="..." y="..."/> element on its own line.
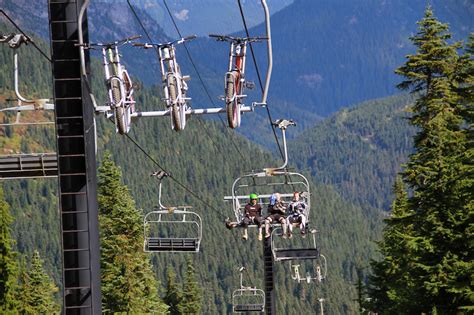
<point x="190" y="111"/>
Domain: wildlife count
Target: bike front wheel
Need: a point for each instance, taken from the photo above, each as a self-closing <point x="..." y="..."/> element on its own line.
<point x="231" y="100"/>
<point x="119" y="110"/>
<point x="173" y="100"/>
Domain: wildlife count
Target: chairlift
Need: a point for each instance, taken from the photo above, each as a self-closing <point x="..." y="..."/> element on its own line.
<point x="247" y="299"/>
<point x="268" y="181"/>
<point x="15" y="41"/>
<point x="318" y="275"/>
<point x="171" y="229"/>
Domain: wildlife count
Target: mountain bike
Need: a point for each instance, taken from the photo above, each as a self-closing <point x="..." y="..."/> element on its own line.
<point x="120" y="88"/>
<point x="174" y="83"/>
<point x="235" y="76"/>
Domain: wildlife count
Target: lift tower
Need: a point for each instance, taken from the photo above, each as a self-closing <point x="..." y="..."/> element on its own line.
<point x="75" y="138"/>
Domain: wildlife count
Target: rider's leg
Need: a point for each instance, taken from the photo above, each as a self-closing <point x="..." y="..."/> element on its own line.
<point x="289" y="223"/>
<point x="268" y="221"/>
<point x="259" y="222"/>
<point x="303" y="224"/>
<point x="283" y="225"/>
<point x="245" y="223"/>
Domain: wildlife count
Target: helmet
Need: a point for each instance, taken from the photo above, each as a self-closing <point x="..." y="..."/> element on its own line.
<point x="273" y="199"/>
<point x="253" y="196"/>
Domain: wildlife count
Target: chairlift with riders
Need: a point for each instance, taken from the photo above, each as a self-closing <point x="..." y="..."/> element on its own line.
<point x="286" y="182"/>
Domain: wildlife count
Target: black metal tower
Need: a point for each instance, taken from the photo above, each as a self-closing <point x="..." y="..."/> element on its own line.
<point x="269" y="277"/>
<point x="75" y="135"/>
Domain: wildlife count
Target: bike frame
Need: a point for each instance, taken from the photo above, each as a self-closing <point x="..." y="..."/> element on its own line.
<point x="169" y="66"/>
<point x="237" y="58"/>
<point x="113" y="69"/>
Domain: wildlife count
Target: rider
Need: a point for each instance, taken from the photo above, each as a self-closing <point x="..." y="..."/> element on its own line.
<point x="296" y="214"/>
<point x="276" y="211"/>
<point x="252" y="215"/>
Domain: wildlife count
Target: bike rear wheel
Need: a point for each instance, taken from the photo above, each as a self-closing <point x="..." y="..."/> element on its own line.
<point x="232" y="104"/>
<point x="118" y="107"/>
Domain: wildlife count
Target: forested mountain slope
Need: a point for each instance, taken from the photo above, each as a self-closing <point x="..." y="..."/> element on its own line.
<point x="359" y="151"/>
<point x="327" y="54"/>
<point x="202" y="157"/>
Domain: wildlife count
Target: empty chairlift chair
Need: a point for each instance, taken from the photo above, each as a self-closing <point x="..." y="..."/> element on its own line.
<point x="247" y="299"/>
<point x="172" y="229"/>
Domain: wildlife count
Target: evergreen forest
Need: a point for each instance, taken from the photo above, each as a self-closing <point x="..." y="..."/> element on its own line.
<point x="391" y="185"/>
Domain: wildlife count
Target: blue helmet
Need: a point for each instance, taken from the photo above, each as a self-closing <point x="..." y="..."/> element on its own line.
<point x="273" y="199"/>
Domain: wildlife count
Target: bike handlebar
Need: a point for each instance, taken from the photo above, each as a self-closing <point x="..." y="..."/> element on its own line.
<point x="227" y="38"/>
<point x="177" y="41"/>
<point x="111" y="44"/>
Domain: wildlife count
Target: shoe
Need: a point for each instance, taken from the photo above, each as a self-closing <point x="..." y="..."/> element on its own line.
<point x="259" y="236"/>
<point x="227" y="223"/>
<point x="245" y="237"/>
<point x="290" y="235"/>
<point x="284" y="236"/>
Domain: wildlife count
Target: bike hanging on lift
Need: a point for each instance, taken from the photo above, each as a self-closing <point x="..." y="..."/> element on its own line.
<point x="235" y="76"/>
<point x="120" y="87"/>
<point x="174" y="83"/>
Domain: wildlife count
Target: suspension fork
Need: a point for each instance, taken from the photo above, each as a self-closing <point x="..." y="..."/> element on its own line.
<point x="105" y="58"/>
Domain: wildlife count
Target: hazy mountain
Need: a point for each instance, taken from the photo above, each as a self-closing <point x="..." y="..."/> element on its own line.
<point x="205" y="16"/>
<point x="330" y="54"/>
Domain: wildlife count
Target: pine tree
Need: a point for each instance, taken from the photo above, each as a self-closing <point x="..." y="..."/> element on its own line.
<point x="173" y="294"/>
<point x="439" y="176"/>
<point x="192" y="295"/>
<point x="128" y="281"/>
<point x="8" y="266"/>
<point x="391" y="287"/>
<point x="37" y="292"/>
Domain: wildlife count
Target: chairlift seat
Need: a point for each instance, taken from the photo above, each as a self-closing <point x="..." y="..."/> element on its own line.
<point x="249" y="308"/>
<point x="172" y="245"/>
<point x="295" y="254"/>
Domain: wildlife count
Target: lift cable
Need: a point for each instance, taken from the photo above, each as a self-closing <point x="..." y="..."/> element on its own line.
<point x="148" y="155"/>
<point x="260" y="80"/>
<point x="152" y="159"/>
<point x="24" y="34"/>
